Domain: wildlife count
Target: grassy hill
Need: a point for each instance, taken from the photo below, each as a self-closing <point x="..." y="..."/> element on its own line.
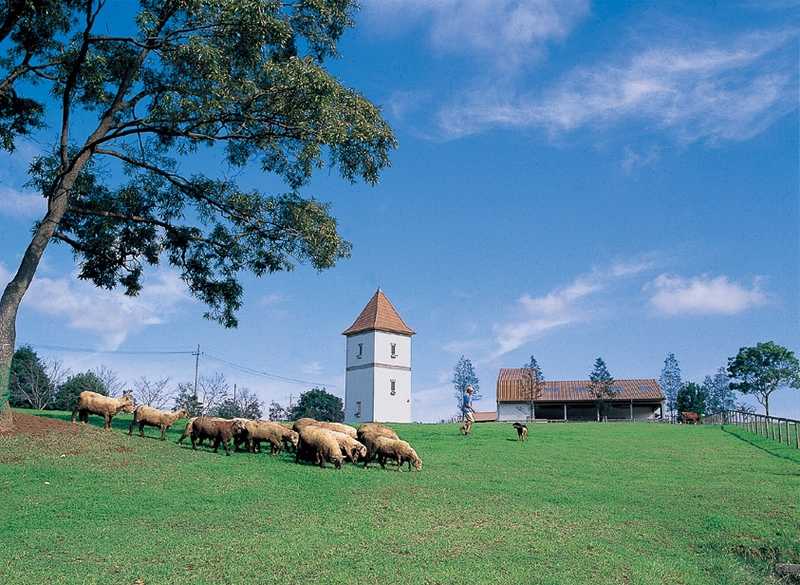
<point x="578" y="504"/>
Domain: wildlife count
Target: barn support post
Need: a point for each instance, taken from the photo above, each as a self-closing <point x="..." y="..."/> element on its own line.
<point x="565" y="411"/>
<point x="631" y="410"/>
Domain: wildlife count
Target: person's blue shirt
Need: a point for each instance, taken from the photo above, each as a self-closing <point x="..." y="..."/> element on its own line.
<point x="467" y="402"/>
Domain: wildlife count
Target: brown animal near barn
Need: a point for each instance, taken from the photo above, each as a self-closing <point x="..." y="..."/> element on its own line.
<point x="690" y="417"/>
<point x="219" y="430"/>
<point x="396" y="450"/>
<point x="105" y="406"/>
<point x="147" y="416"/>
<point x="277" y="435"/>
<point x="318" y="446"/>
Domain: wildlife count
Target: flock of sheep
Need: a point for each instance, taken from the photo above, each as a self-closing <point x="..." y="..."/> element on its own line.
<point x="311" y="440"/>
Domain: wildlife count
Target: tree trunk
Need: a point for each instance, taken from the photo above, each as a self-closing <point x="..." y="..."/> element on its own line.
<point x="766" y="404"/>
<point x="16" y="289"/>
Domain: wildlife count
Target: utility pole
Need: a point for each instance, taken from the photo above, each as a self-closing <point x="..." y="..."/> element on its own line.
<point x="196" y="368"/>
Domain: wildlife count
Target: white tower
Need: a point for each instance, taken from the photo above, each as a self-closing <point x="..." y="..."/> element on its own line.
<point x="378" y="379"/>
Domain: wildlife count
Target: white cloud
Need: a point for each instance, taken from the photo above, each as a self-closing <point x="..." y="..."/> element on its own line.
<point x="697" y="91"/>
<point x="560" y="307"/>
<point x="514" y="30"/>
<point x="703" y="295"/>
<point x="110" y="315"/>
<point x="21" y="204"/>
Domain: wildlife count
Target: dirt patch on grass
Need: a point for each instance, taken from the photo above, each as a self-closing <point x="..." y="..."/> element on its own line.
<point x="28" y="424"/>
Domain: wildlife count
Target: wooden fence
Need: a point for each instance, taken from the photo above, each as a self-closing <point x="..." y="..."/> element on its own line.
<point x="783" y="430"/>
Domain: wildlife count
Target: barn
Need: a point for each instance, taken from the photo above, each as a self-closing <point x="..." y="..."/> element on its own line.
<point x="634" y="399"/>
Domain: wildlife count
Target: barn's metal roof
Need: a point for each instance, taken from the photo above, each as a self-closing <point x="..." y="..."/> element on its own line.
<point x="511" y="388"/>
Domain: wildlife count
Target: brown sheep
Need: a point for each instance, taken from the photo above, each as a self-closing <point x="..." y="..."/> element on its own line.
<point x="187" y="431"/>
<point x="352" y="450"/>
<point x="152" y="417"/>
<point x="317" y="445"/>
<point x="397" y="450"/>
<point x="301" y="423"/>
<point x="220" y="430"/>
<point x="94" y="403"/>
<point x="339" y="428"/>
<point x="369" y="434"/>
<point x="275" y="434"/>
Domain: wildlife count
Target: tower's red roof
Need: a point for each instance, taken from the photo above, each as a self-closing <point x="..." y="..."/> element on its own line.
<point x="379" y="315"/>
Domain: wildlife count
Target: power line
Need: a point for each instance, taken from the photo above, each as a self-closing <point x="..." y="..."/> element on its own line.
<point x="255" y="372"/>
<point x="117" y="351"/>
<point x="196" y="353"/>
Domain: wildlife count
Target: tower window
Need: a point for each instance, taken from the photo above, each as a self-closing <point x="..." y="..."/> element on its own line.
<point x="360" y="353"/>
<point x="394" y="350"/>
<point x="392" y="387"/>
<point x="358" y="408"/>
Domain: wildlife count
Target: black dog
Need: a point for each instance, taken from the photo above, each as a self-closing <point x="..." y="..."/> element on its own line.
<point x="522" y="431"/>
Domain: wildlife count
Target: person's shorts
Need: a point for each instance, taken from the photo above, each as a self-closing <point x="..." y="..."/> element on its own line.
<point x="469" y="417"/>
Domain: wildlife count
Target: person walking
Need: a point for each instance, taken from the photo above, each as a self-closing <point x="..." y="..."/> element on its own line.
<point x="467" y="412"/>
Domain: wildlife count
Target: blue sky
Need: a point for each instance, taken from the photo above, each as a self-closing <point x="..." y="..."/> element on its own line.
<point x="573" y="179"/>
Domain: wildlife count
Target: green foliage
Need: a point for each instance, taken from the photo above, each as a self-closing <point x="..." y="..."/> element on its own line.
<point x="319" y="404"/>
<point x="532" y="384"/>
<point x="67" y="393"/>
<point x="719" y="394"/>
<point x="243" y="78"/>
<point x="691" y="398"/>
<point x="670" y="381"/>
<point x="550" y="512"/>
<point x="29" y="383"/>
<point x="277" y="412"/>
<point x="464" y="375"/>
<point x="188" y="400"/>
<point x="762" y="369"/>
<point x="244" y="405"/>
<point x="601" y="386"/>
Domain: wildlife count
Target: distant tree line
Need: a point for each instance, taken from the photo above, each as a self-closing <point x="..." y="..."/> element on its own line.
<point x="756" y="371"/>
<point x="48" y="385"/>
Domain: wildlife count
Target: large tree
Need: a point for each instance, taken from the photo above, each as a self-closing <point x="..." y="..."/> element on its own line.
<point x="670" y="381"/>
<point x="531" y="384"/>
<point x="319" y="404"/>
<point x="464" y="375"/>
<point x="67" y="393"/>
<point x="141" y="91"/>
<point x="33" y="381"/>
<point x="762" y="369"/>
<point x="601" y="387"/>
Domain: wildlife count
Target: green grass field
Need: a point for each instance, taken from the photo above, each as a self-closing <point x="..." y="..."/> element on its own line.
<point x="578" y="504"/>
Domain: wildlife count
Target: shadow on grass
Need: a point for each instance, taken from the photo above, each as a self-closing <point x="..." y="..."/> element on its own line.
<point x="769" y="446"/>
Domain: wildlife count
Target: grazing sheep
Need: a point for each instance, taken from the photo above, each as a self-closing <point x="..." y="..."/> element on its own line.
<point x="339" y="428"/>
<point x="275" y="434"/>
<point x="369" y="434"/>
<point x="94" y="403"/>
<point x="317" y="445"/>
<point x="187" y="431"/>
<point x="302" y="423"/>
<point x="152" y="417"/>
<point x="220" y="430"/>
<point x="352" y="450"/>
<point x="400" y="451"/>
